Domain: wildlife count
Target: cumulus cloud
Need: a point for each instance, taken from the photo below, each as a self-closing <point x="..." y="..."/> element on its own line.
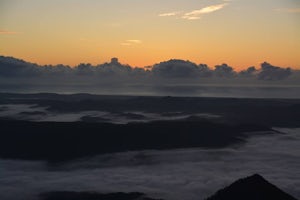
<point x="114" y="68"/>
<point x="196" y="14"/>
<point x="11" y="67"/>
<point x="85" y="69"/>
<point x="175" y="69"/>
<point x="224" y="71"/>
<point x="174" y="77"/>
<point x="204" y="70"/>
<point x="270" y="72"/>
<point x="249" y="72"/>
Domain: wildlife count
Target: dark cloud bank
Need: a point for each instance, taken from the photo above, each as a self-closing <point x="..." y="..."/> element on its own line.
<point x="173" y="77"/>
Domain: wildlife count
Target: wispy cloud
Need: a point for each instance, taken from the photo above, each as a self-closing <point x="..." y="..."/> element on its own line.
<point x="134" y="41"/>
<point x="169" y="14"/>
<point x="196" y="14"/>
<point x="131" y="42"/>
<point x="288" y="10"/>
<point x="6" y="32"/>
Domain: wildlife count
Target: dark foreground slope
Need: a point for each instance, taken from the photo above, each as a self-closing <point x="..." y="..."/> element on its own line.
<point x="54" y="141"/>
<point x="254" y="187"/>
<point x="251" y="188"/>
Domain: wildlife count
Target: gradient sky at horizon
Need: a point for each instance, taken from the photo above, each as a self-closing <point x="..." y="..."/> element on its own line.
<point x="240" y="33"/>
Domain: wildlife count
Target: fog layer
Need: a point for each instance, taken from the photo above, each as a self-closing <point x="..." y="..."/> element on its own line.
<point x="175" y="174"/>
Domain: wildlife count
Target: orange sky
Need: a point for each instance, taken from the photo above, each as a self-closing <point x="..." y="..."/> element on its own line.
<point x="240" y="33"/>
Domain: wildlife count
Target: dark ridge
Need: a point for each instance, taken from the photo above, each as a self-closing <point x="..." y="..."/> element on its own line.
<point x="57" y="141"/>
<point x="267" y="112"/>
<point x="65" y="195"/>
<point x="254" y="187"/>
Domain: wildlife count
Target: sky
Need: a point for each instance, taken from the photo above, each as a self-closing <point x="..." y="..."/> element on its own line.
<point x="241" y="33"/>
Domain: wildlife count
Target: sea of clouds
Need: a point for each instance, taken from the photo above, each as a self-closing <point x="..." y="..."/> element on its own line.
<point x="32" y="112"/>
<point x="173" y="174"/>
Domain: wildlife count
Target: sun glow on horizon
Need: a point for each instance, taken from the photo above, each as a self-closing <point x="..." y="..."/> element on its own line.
<point x="143" y="33"/>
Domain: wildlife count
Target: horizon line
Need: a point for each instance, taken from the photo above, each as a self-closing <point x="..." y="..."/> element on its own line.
<point x="150" y="66"/>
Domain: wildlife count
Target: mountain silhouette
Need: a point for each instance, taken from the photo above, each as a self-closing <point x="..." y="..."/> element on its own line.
<point x="254" y="187"/>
